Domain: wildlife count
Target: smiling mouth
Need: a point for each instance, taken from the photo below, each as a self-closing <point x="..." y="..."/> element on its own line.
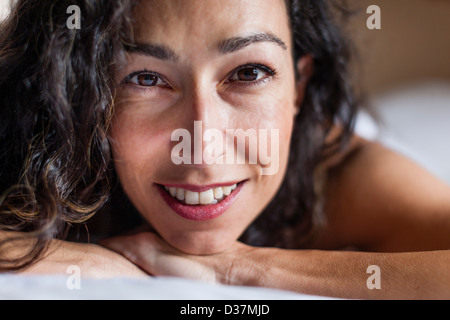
<point x="200" y="203"/>
<point x="209" y="196"/>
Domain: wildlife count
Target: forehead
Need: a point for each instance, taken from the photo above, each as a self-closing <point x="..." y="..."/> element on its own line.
<point x="183" y="23"/>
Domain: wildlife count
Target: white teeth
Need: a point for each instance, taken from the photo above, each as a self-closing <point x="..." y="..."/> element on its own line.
<point x="180" y="194"/>
<point x="218" y="193"/>
<point x="207" y="196"/>
<point x="192" y="197"/>
<point x="226" y="191"/>
<point x="210" y="196"/>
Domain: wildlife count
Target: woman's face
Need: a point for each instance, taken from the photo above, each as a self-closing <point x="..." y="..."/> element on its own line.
<point x="204" y="67"/>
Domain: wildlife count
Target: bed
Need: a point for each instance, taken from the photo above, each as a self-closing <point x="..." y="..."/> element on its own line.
<point x="61" y="287"/>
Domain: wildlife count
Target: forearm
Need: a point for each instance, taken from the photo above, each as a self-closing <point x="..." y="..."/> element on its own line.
<point x="93" y="261"/>
<point x="421" y="275"/>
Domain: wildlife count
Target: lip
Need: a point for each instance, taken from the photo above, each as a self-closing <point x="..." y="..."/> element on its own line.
<point x="199" y="212"/>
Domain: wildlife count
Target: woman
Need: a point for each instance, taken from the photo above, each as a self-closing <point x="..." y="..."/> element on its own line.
<point x="84" y="107"/>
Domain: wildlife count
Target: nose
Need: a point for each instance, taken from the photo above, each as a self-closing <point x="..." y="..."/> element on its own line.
<point x="204" y="112"/>
<point x="205" y="105"/>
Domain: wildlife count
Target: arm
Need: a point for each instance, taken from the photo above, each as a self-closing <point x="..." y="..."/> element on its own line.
<point x="419" y="275"/>
<point x="94" y="261"/>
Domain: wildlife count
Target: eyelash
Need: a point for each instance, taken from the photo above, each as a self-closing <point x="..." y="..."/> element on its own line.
<point x="129" y="78"/>
<point x="271" y="72"/>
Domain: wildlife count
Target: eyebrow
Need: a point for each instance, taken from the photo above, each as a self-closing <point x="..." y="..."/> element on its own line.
<point x="238" y="43"/>
<point x="158" y="51"/>
<point x="227" y="46"/>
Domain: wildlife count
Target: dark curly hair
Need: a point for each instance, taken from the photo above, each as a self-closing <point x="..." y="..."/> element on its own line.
<point x="57" y="99"/>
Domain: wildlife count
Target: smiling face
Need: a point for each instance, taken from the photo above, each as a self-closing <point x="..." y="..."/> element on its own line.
<point x="221" y="64"/>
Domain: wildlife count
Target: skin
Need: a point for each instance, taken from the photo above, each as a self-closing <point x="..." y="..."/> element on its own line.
<point x="395" y="213"/>
<point x="199" y="85"/>
<point x="93" y="260"/>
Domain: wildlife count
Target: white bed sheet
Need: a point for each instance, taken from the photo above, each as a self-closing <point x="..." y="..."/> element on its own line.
<point x="55" y="287"/>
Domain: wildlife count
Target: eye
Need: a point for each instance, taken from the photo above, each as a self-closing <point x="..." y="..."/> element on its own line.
<point x="248" y="74"/>
<point x="251" y="73"/>
<point x="145" y="79"/>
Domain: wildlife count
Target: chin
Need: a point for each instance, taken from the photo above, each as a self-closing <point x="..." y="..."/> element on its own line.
<point x="201" y="244"/>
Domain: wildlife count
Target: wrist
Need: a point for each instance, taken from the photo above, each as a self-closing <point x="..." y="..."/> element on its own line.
<point x="252" y="267"/>
<point x="100" y="262"/>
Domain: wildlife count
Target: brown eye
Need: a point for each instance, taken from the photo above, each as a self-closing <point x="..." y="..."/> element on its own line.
<point x="251" y="73"/>
<point x="146" y="79"/>
<point x="248" y="74"/>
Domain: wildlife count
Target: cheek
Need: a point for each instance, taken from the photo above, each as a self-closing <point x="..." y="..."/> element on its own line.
<point x="279" y="116"/>
<point x="139" y="148"/>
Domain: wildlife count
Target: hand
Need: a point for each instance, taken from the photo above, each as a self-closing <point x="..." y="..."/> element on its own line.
<point x="155" y="256"/>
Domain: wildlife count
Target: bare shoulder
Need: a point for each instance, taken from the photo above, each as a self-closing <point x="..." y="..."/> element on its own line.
<point x="379" y="200"/>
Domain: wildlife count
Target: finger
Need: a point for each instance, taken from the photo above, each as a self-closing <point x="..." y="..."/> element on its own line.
<point x="152" y="254"/>
<point x="132" y="248"/>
